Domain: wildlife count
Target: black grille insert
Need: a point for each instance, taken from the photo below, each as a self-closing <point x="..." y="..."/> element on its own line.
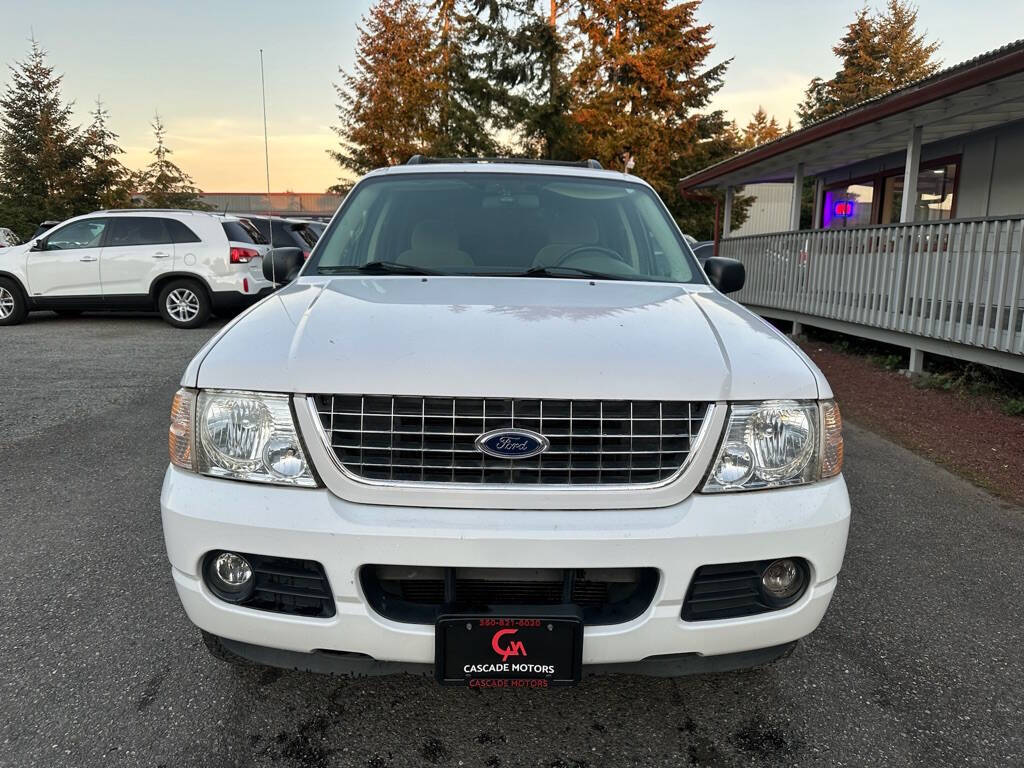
<point x="731" y="590"/>
<point x="418" y="595"/>
<point x="281" y="585"/>
<point x="432" y="439"/>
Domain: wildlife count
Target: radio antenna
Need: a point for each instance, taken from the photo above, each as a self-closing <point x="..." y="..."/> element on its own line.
<point x="266" y="158"/>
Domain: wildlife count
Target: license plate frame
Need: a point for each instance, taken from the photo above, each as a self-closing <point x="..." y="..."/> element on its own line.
<point x="497" y="645"/>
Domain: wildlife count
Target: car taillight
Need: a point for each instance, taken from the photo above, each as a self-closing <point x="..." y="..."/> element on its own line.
<point x="243" y="255"/>
<point x="305" y="255"/>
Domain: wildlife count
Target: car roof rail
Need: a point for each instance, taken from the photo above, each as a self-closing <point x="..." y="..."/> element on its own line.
<point x="424" y="160"/>
<point x="150" y="210"/>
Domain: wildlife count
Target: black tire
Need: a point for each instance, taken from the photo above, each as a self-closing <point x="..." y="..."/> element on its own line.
<point x="13" y="307"/>
<point x="184" y="304"/>
<point x="68" y="312"/>
<point x="218" y="651"/>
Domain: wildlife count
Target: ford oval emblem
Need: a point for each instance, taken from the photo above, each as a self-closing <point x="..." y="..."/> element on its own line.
<point x="512" y="443"/>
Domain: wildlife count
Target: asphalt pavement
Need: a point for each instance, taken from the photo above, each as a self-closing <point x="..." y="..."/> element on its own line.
<point x="918" y="662"/>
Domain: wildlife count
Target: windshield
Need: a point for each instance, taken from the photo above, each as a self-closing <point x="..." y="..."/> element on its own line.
<point x="506" y="224"/>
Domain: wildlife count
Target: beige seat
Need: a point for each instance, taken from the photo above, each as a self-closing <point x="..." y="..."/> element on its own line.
<point x="435" y="244"/>
<point x="566" y="233"/>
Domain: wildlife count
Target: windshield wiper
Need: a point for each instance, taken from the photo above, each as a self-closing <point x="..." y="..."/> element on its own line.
<point x="378" y="268"/>
<point x="573" y="272"/>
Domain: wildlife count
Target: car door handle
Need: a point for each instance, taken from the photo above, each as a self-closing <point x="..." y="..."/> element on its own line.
<point x="161" y="255"/>
<point x="88" y="258"/>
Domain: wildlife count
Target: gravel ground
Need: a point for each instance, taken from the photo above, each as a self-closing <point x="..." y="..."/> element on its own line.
<point x="969" y="435"/>
<point x="917" y="663"/>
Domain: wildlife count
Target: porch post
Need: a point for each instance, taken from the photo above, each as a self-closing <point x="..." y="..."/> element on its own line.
<point x="727" y="216"/>
<point x="798" y="188"/>
<point x="913" y="166"/>
<point x="819" y="199"/>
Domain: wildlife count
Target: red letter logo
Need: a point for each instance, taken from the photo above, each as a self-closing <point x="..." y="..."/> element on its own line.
<point x="515" y="647"/>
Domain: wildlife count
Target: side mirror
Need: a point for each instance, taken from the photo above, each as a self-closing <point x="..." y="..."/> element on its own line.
<point x="727" y="275"/>
<point x="39" y="245"/>
<point x="282" y="265"/>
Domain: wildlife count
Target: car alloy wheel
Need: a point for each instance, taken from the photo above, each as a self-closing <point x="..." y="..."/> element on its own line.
<point x="6" y="303"/>
<point x="182" y="305"/>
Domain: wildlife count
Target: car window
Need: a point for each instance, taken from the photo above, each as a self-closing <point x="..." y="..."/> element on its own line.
<point x="263" y="225"/>
<point x="505" y="224"/>
<point x="137" y="230"/>
<point x="180" y="233"/>
<point x="307" y="235"/>
<point x="242" y="231"/>
<point x="86" y="233"/>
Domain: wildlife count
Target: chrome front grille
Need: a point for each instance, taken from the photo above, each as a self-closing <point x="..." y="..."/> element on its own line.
<point x="397" y="438"/>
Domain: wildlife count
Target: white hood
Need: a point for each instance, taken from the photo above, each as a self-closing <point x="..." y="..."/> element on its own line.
<point x="505" y="337"/>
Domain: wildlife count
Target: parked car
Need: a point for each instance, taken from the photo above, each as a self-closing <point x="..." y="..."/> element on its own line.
<point x="43" y="228"/>
<point x="8" y="238"/>
<point x="703" y="250"/>
<point x="293" y="233"/>
<point x="502" y="424"/>
<point x="185" y="264"/>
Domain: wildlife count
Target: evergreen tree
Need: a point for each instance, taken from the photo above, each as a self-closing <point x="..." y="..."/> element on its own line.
<point x="462" y="92"/>
<point x="877" y="53"/>
<point x="386" y="105"/>
<point x="106" y="183"/>
<point x="41" y="152"/>
<point x="640" y="87"/>
<point x="523" y="56"/>
<point x="906" y="55"/>
<point x="162" y="183"/>
<point x="761" y="129"/>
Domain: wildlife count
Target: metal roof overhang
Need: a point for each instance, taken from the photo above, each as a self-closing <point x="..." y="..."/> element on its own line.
<point x="969" y="98"/>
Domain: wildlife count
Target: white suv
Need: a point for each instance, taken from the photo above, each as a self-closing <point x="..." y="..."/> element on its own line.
<point x="501" y="425"/>
<point x="186" y="264"/>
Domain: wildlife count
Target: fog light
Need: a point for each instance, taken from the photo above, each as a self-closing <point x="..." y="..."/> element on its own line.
<point x="232" y="572"/>
<point x="782" y="579"/>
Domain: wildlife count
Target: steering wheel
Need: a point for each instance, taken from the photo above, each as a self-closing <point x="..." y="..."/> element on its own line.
<point x="594" y="248"/>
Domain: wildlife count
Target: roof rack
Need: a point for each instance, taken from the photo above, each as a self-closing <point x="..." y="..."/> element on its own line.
<point x="150" y="210"/>
<point x="424" y="160"/>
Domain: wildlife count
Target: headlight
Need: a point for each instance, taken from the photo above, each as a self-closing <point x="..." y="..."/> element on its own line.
<point x="777" y="443"/>
<point x="238" y="435"/>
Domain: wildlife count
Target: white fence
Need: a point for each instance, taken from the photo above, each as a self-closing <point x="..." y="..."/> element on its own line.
<point x="953" y="288"/>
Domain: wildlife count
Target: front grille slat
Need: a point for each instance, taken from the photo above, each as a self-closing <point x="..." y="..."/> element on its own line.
<point x="404" y="438"/>
<point x="609" y="596"/>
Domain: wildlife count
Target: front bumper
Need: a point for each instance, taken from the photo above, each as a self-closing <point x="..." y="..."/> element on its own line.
<point x="202" y="513"/>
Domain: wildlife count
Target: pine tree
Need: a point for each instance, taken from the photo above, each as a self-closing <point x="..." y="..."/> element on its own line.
<point x="906" y="55"/>
<point x="761" y="129"/>
<point x="641" y="86"/>
<point x="41" y="152"/>
<point x="462" y="92"/>
<point x="162" y="183"/>
<point x="523" y="56"/>
<point x="877" y="53"/>
<point x="106" y="183"/>
<point x="386" y="105"/>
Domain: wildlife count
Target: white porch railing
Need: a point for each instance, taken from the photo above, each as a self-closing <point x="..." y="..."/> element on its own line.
<point x="954" y="288"/>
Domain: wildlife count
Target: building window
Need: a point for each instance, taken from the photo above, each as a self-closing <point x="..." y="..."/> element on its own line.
<point x="935" y="195"/>
<point x="848" y="206"/>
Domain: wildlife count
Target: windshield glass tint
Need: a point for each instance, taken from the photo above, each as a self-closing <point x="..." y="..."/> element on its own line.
<point x="506" y="224"/>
